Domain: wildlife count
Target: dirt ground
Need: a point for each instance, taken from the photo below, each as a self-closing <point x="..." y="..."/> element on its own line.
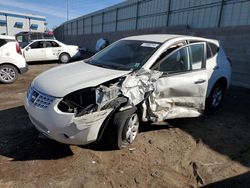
<point x="212" y="151"/>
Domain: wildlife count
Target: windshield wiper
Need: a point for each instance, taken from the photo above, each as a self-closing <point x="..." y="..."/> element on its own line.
<point x="92" y="62"/>
<point x="101" y="65"/>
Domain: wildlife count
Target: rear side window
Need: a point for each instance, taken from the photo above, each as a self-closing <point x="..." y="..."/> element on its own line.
<point x="36" y="45"/>
<point x="209" y="52"/>
<point x="48" y="44"/>
<point x="196" y="56"/>
<point x="2" y="42"/>
<point x="54" y="44"/>
<point x="51" y="44"/>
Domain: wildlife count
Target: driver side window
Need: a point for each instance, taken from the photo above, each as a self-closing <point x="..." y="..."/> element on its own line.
<point x="177" y="62"/>
<point x="184" y="59"/>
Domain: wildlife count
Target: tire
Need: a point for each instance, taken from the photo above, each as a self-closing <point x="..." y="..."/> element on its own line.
<point x="125" y="126"/>
<point x="64" y="58"/>
<point x="8" y="74"/>
<point x="215" y="98"/>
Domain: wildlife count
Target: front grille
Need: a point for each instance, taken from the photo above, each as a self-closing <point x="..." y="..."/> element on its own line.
<point x="39" y="99"/>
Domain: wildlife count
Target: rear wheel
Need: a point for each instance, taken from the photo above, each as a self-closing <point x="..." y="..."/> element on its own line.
<point x="216" y="97"/>
<point x="8" y="74"/>
<point x="64" y="58"/>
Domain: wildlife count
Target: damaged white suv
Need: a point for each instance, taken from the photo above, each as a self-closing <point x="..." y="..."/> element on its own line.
<point x="140" y="78"/>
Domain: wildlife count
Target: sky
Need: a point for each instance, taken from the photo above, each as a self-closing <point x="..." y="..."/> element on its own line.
<point x="55" y="11"/>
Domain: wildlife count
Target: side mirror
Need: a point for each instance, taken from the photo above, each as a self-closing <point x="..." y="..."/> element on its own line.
<point x="28" y="48"/>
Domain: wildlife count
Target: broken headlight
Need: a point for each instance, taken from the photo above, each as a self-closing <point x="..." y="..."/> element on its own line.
<point x="90" y="100"/>
<point x="106" y="94"/>
<point x="79" y="102"/>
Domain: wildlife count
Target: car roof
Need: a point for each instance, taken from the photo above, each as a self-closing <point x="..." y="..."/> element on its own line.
<point x="43" y="40"/>
<point x="161" y="38"/>
<point x="153" y="37"/>
<point x="7" y="37"/>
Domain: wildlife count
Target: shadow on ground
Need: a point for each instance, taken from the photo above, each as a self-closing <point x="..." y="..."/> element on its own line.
<point x="240" y="181"/>
<point x="20" y="141"/>
<point x="226" y="131"/>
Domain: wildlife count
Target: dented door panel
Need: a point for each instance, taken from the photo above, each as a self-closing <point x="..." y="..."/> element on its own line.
<point x="179" y="95"/>
<point x="181" y="91"/>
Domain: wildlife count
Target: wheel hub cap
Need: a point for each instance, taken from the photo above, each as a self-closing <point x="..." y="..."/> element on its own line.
<point x="132" y="128"/>
<point x="7" y="74"/>
<point x="64" y="58"/>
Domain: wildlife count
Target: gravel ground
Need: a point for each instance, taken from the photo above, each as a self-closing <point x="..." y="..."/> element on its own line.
<point x="212" y="151"/>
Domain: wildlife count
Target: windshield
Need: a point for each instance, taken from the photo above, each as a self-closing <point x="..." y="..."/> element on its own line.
<point x="125" y="55"/>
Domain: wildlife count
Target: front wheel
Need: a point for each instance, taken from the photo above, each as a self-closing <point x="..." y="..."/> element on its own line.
<point x="64" y="58"/>
<point x="8" y="74"/>
<point x="125" y="128"/>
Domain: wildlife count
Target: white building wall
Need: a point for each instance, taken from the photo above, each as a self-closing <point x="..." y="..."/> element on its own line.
<point x="11" y="24"/>
<point x="26" y="19"/>
<point x="41" y="25"/>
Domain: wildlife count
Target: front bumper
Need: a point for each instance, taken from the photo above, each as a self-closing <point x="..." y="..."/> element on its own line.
<point x="65" y="127"/>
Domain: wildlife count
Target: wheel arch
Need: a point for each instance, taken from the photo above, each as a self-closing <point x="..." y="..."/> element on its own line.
<point x="64" y="53"/>
<point x="18" y="70"/>
<point x="107" y="124"/>
<point x="222" y="80"/>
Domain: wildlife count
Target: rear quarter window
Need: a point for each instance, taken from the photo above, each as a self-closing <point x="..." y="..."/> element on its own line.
<point x="212" y="50"/>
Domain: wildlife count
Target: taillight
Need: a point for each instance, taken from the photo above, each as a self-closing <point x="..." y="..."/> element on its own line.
<point x="18" y="49"/>
<point x="229" y="61"/>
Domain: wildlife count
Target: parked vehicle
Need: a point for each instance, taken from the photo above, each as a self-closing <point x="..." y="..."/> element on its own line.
<point x="140" y="78"/>
<point x="48" y="49"/>
<point x="12" y="62"/>
<point x="24" y="38"/>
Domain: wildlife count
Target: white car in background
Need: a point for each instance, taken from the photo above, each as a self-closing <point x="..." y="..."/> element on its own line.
<point x="140" y="78"/>
<point x="49" y="49"/>
<point x="12" y="62"/>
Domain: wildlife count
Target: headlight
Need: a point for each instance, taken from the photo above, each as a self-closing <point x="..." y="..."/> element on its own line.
<point x="78" y="101"/>
<point x="105" y="94"/>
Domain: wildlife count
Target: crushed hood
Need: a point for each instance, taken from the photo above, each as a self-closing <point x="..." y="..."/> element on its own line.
<point x="64" y="79"/>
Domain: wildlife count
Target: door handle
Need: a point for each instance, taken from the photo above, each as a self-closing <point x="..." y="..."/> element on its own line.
<point x="200" y="81"/>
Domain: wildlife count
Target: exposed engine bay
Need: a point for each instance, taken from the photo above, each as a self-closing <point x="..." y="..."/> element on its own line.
<point x="123" y="92"/>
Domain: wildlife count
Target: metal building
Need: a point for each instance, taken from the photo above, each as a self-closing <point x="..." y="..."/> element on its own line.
<point x="12" y="23"/>
<point x="225" y="20"/>
<point x="142" y="14"/>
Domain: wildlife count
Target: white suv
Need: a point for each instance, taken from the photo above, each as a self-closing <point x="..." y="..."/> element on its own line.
<point x="49" y="49"/>
<point x="12" y="62"/>
<point x="140" y="78"/>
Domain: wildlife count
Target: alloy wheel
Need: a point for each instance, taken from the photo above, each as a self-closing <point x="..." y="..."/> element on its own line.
<point x="7" y="74"/>
<point x="132" y="128"/>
